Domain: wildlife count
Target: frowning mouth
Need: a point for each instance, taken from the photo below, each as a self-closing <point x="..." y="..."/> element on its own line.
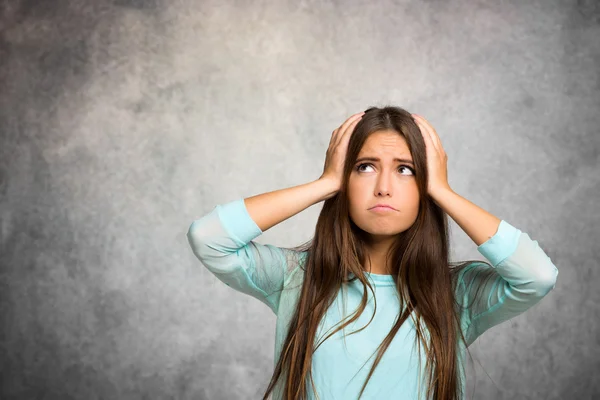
<point x="382" y="207"/>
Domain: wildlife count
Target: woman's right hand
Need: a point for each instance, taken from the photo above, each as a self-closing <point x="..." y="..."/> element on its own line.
<point x="336" y="153"/>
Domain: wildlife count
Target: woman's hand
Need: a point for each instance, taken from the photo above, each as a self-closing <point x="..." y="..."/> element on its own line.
<point x="336" y="153"/>
<point x="437" y="159"/>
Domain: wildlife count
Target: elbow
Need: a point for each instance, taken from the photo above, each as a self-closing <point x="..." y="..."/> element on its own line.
<point x="193" y="231"/>
<point x="200" y="232"/>
<point x="209" y="250"/>
<point x="547" y="281"/>
<point x="543" y="269"/>
<point x="195" y="237"/>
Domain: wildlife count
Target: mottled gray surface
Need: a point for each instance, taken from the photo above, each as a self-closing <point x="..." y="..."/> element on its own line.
<point x="122" y="122"/>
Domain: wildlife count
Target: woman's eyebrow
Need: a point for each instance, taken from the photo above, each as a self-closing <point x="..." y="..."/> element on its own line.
<point x="404" y="160"/>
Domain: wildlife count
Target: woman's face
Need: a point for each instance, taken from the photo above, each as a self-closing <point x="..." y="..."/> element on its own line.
<point x="385" y="181"/>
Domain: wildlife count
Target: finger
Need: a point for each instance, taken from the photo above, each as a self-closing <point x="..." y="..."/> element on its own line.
<point x="332" y="140"/>
<point x="345" y="138"/>
<point x="428" y="136"/>
<point x="350" y="121"/>
<point x="423" y="130"/>
<point x="433" y="134"/>
<point x="436" y="141"/>
<point x="335" y="135"/>
<point x="345" y="135"/>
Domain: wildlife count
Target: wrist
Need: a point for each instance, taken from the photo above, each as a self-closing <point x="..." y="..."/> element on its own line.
<point x="440" y="193"/>
<point x="328" y="187"/>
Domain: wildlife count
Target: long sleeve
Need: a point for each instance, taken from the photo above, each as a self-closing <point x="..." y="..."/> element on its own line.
<point x="222" y="241"/>
<point x="520" y="276"/>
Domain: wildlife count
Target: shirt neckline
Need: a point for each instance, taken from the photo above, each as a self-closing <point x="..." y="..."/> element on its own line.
<point x="378" y="279"/>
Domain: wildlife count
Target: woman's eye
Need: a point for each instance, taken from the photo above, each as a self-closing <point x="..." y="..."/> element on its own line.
<point x="358" y="168"/>
<point x="408" y="168"/>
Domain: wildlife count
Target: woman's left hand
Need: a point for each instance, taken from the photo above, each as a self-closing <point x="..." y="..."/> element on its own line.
<point x="437" y="160"/>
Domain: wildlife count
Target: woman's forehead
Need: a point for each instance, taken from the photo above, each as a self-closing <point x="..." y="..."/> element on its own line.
<point x="385" y="145"/>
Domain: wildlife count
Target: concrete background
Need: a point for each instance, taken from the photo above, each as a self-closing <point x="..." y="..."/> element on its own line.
<point x="123" y="121"/>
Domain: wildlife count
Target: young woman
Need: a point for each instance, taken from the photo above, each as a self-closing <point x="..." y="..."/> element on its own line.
<point x="375" y="281"/>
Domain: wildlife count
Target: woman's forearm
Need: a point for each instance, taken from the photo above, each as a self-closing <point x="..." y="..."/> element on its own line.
<point x="269" y="209"/>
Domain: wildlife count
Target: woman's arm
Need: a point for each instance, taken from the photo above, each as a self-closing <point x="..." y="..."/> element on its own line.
<point x="521" y="275"/>
<point x="269" y="209"/>
<point x="222" y="239"/>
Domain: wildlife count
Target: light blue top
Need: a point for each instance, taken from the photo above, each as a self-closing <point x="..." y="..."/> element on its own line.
<point x="222" y="241"/>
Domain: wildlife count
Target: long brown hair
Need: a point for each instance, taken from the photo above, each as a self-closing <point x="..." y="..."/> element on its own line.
<point x="425" y="279"/>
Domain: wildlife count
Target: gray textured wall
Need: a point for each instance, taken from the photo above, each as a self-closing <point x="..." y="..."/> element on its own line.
<point x="122" y="122"/>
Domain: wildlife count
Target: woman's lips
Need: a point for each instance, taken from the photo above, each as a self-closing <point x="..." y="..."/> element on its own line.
<point x="382" y="208"/>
